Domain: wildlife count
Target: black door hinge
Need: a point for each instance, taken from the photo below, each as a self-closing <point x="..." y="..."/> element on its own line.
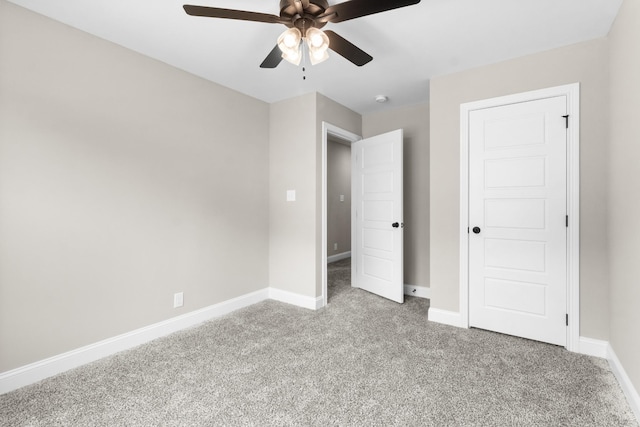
<point x="566" y="220"/>
<point x="567" y="318"/>
<point x="566" y="121"/>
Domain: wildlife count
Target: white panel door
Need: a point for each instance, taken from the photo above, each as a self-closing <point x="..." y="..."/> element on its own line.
<point x="517" y="219"/>
<point x="378" y="226"/>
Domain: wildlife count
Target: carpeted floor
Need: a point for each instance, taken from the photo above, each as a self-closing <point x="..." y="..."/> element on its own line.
<point x="361" y="361"/>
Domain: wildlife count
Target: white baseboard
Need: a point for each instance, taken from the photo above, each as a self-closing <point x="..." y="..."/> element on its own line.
<point x="42" y="369"/>
<point x="451" y="318"/>
<point x="593" y="347"/>
<point x="338" y="257"/>
<point x="34" y="372"/>
<point x="625" y="382"/>
<point x="417" y="291"/>
<point x="311" y="303"/>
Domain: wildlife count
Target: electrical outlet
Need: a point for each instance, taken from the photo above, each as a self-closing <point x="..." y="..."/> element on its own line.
<point x="335" y="246"/>
<point x="178" y="299"/>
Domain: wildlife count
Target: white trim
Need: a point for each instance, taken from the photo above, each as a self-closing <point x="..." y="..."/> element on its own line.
<point x="42" y="369"/>
<point x="572" y="92"/>
<point x="417" y="291"/>
<point x="625" y="382"/>
<point x="329" y="129"/>
<point x="593" y="347"/>
<point x="445" y="317"/>
<point x="295" y="299"/>
<point x="338" y="257"/>
<point x="573" y="210"/>
<point x="34" y="372"/>
<point x="464" y="216"/>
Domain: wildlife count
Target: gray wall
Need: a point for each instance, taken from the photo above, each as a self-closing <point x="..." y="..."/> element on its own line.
<point x="338" y="115"/>
<point x="292" y="157"/>
<point x="338" y="184"/>
<point x="585" y="63"/>
<point x="415" y="122"/>
<point x="295" y="156"/>
<point x="624" y="188"/>
<point x="122" y="181"/>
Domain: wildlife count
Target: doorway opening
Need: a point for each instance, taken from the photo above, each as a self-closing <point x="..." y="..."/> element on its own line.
<point x="339" y="246"/>
<point x="376" y="212"/>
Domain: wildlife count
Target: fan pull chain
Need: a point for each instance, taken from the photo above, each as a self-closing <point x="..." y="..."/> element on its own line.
<point x="304" y="62"/>
<point x="304" y="54"/>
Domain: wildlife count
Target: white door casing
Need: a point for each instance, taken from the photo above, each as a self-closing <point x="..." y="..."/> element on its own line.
<point x="377" y="266"/>
<point x="329" y="129"/>
<point x="517" y="211"/>
<point x="572" y="92"/>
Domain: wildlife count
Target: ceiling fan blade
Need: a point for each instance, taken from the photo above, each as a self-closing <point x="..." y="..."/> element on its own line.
<point x="273" y="59"/>
<point x="299" y="6"/>
<point x="347" y="49"/>
<point x="357" y="8"/>
<point x="243" y="15"/>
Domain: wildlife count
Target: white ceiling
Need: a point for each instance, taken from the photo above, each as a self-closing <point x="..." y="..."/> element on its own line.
<point x="409" y="45"/>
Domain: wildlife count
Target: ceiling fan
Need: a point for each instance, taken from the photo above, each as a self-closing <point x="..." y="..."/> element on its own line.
<point x="304" y="18"/>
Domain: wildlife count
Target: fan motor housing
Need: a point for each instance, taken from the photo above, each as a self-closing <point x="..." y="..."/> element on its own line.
<point x="307" y="20"/>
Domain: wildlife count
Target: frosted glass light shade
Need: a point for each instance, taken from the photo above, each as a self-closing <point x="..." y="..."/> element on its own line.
<point x="293" y="56"/>
<point x="318" y="43"/>
<point x="289" y="44"/>
<point x="318" y="56"/>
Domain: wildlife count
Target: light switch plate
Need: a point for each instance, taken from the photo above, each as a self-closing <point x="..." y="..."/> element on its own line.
<point x="291" y="195"/>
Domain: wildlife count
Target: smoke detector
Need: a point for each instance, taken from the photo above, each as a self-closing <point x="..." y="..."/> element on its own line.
<point x="381" y="98"/>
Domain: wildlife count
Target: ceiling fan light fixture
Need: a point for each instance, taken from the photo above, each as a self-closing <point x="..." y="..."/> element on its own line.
<point x="293" y="56"/>
<point x="318" y="43"/>
<point x="318" y="56"/>
<point x="317" y="39"/>
<point x="290" y="40"/>
<point x="289" y="44"/>
<point x="305" y="17"/>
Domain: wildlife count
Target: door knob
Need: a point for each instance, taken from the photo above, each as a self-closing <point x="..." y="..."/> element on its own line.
<point x="476" y="230"/>
<point x="395" y="225"/>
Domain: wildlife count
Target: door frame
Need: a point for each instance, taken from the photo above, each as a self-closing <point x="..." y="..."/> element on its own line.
<point x="572" y="92"/>
<point x="329" y="129"/>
